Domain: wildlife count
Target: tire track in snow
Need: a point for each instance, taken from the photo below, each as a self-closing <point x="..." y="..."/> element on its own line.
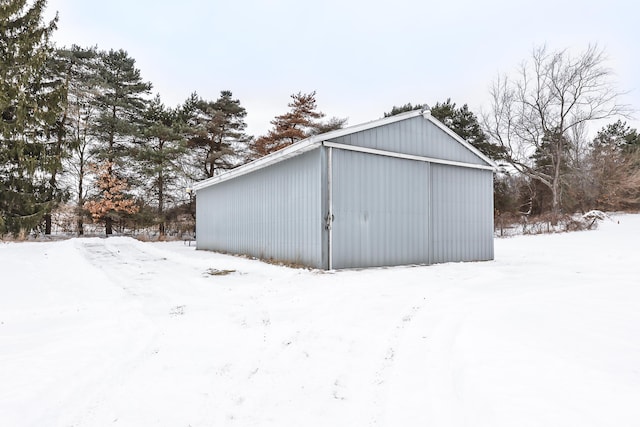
<point x="141" y="271"/>
<point x="385" y="371"/>
<point x="165" y="289"/>
<point x="430" y="365"/>
<point x="132" y="269"/>
<point x="138" y="333"/>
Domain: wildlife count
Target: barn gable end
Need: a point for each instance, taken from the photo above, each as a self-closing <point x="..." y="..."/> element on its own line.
<point x="415" y="136"/>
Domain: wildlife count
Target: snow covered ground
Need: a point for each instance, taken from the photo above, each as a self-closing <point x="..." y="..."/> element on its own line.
<point x="97" y="332"/>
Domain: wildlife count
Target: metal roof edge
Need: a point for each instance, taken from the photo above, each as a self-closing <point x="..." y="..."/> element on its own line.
<point x="301" y="147"/>
<point x="368" y="125"/>
<point x="427" y="115"/>
<point x="285" y="153"/>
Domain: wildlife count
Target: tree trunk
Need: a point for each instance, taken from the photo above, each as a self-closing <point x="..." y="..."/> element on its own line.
<point x="80" y="225"/>
<point x="555" y="184"/>
<point x="54" y="172"/>
<point x="108" y="221"/>
<point x="47" y="224"/>
<point x="161" y="225"/>
<point x="555" y="204"/>
<point x="80" y="207"/>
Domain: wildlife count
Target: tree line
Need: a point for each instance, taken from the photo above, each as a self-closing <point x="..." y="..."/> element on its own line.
<point x="80" y="127"/>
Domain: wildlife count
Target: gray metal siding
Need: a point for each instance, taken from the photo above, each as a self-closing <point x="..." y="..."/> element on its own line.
<point x="272" y="213"/>
<point x="416" y="136"/>
<point x="388" y="211"/>
<point x="461" y="214"/>
<point x="381" y="208"/>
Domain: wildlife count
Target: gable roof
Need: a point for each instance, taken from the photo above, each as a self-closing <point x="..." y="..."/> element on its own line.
<point x="315" y="141"/>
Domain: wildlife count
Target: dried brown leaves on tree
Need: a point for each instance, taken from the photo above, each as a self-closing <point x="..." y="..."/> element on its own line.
<point x="615" y="168"/>
<point x="291" y="127"/>
<point x="619" y="186"/>
<point x="112" y="199"/>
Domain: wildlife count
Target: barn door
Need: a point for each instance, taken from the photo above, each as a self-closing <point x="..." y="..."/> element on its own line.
<point x="380" y="209"/>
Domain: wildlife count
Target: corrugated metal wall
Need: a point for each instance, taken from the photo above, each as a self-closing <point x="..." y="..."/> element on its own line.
<point x="461" y="214"/>
<point x="391" y="211"/>
<point x="416" y="136"/>
<point x="272" y="213"/>
<point x="381" y="209"/>
<point x="387" y="211"/>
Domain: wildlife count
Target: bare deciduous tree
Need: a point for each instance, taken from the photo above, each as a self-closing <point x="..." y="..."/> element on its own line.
<point x="537" y="115"/>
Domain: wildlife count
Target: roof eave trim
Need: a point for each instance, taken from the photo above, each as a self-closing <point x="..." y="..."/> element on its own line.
<point x="263" y="162"/>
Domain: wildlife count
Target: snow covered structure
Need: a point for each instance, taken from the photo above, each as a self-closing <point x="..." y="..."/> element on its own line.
<point x="400" y="190"/>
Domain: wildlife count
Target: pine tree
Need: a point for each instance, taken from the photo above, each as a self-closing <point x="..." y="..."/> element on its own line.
<point x="553" y="148"/>
<point x="465" y="124"/>
<point x="120" y="105"/>
<point x="405" y="108"/>
<point x="618" y="137"/>
<point x="57" y="81"/>
<point x="216" y="132"/>
<point x="158" y="155"/>
<point x="291" y="127"/>
<point x="29" y="108"/>
<point x="334" y="123"/>
<point x="81" y="114"/>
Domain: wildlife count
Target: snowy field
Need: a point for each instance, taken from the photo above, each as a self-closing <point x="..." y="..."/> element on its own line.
<point x="115" y="332"/>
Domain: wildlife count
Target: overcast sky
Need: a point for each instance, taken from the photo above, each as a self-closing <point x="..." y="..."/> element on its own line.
<point x="362" y="57"/>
